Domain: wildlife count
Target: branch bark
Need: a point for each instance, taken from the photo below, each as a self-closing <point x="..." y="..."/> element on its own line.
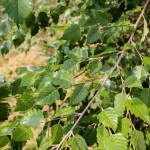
<point x="106" y="78"/>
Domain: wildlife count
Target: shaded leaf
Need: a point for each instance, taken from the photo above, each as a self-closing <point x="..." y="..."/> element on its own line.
<point x="93" y="35"/>
<point x="73" y="33"/>
<point x="25" y="102"/>
<point x="145" y="96"/>
<point x="79" y="94"/>
<point x="78" y="143"/>
<point x="78" y="54"/>
<point x="47" y="95"/>
<point x="94" y="66"/>
<point x="103" y="18"/>
<point x="109" y="118"/>
<point x="22" y="133"/>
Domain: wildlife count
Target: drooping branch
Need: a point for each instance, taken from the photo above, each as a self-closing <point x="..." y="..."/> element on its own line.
<point x="106" y="78"/>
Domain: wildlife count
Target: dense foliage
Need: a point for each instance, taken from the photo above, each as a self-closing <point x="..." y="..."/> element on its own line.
<point x="93" y="92"/>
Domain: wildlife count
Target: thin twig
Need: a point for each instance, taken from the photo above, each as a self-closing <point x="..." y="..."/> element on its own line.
<point x="104" y="81"/>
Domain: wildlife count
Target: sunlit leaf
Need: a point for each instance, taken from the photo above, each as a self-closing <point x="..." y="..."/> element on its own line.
<point x="109" y="118"/>
<point x="6" y="129"/>
<point x="4" y="140"/>
<point x="140" y="73"/>
<point x="64" y="112"/>
<point x="137" y="138"/>
<point x="119" y="104"/>
<point x="32" y="118"/>
<point x="57" y="133"/>
<point x="132" y="81"/>
<point x="78" y="143"/>
<point x="116" y="142"/>
<point x="138" y="108"/>
<point x="22" y="133"/>
<point x="102" y="133"/>
<point x="145" y="30"/>
<point x="62" y="78"/>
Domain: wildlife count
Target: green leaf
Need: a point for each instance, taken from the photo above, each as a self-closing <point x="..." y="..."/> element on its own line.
<point x="73" y="33"/>
<point x="109" y="118"/>
<point x="103" y="18"/>
<point x="140" y="73"/>
<point x="28" y="79"/>
<point x="5" y="47"/>
<point x="6" y="129"/>
<point x="69" y="65"/>
<point x="138" y="108"/>
<point x="4" y="140"/>
<point x="43" y="19"/>
<point x="136" y="9"/>
<point x="59" y="28"/>
<point x="102" y="133"/>
<point x="79" y="94"/>
<point x="45" y="144"/>
<point x="47" y="95"/>
<point x="146" y="60"/>
<point x="62" y="78"/>
<point x="78" y="143"/>
<point x="18" y="10"/>
<point x="65" y="112"/>
<point x="78" y="54"/>
<point x="25" y="102"/>
<point x="137" y="139"/>
<point x="94" y="66"/>
<point x="145" y="30"/>
<point x="18" y="37"/>
<point x="116" y="142"/>
<point x="57" y="133"/>
<point x="145" y="96"/>
<point x="90" y="135"/>
<point x="126" y="126"/>
<point x="32" y="118"/>
<point x="132" y="81"/>
<point x="128" y="46"/>
<point x="93" y="35"/>
<point x="119" y="104"/>
<point x="5" y="27"/>
<point x="22" y="133"/>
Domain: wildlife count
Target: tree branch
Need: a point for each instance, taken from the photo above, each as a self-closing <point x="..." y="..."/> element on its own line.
<point x="106" y="78"/>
